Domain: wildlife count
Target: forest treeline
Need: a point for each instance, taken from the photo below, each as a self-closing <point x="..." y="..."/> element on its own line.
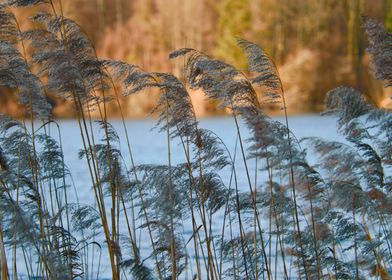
<point x="316" y="45"/>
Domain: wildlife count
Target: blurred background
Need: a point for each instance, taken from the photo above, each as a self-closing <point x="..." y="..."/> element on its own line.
<point x="316" y="44"/>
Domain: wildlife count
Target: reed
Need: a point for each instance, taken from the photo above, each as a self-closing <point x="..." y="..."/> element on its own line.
<point x="296" y="217"/>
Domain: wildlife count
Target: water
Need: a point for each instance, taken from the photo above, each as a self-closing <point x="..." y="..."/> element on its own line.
<point x="149" y="146"/>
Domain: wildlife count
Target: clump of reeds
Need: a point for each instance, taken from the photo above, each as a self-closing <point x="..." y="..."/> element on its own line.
<point x="293" y="219"/>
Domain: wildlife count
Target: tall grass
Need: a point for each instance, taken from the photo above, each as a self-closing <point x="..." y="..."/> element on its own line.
<point x="295" y="218"/>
